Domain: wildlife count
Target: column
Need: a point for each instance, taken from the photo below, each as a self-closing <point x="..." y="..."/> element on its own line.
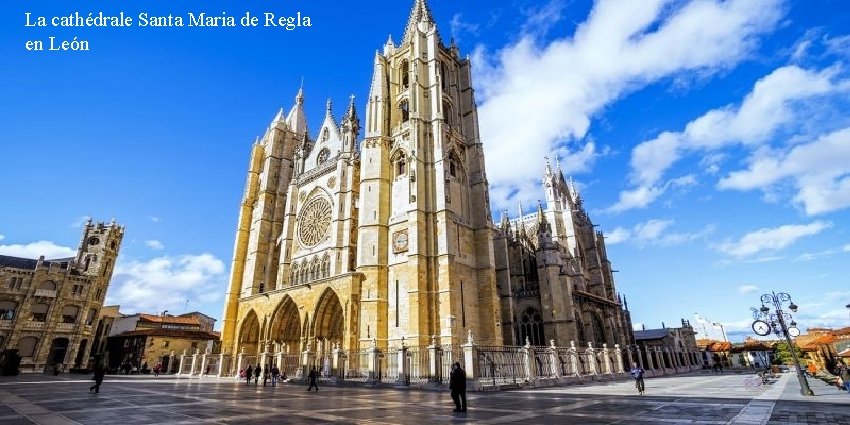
<point x="240" y="359"/>
<point x="373" y="360"/>
<point x="220" y="372"/>
<point x="648" y="352"/>
<point x="204" y="362"/>
<point x="403" y="366"/>
<point x="470" y="357"/>
<point x="435" y="360"/>
<point x="194" y="362"/>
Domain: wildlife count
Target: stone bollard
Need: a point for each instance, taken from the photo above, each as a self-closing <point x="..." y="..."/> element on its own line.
<point x="553" y="356"/>
<point x="573" y="353"/>
<point x="435" y="361"/>
<point x="607" y="359"/>
<point x="590" y="356"/>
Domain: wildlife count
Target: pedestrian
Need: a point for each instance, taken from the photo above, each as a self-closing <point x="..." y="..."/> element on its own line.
<point x="457" y="385"/>
<point x="99" y="372"/>
<point x="845" y="376"/>
<point x="257" y="372"/>
<point x="156" y="369"/>
<point x="207" y="370"/>
<point x="313" y="376"/>
<point x="637" y="373"/>
<point x="266" y="374"/>
<point x="249" y="373"/>
<point x="275" y="375"/>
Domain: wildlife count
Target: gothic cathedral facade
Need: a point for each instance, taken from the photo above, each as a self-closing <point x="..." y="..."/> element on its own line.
<point x="392" y="242"/>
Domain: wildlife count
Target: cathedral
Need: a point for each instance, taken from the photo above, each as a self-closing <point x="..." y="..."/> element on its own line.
<point x="382" y="235"/>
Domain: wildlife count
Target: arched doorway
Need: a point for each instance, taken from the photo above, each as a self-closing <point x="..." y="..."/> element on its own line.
<point x="286" y="327"/>
<point x="249" y="334"/>
<point x="81" y="352"/>
<point x="58" y="350"/>
<point x="329" y="322"/>
<point x="598" y="329"/>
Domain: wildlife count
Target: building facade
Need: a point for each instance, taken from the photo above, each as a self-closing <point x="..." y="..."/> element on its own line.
<point x="392" y="242"/>
<point x="140" y="341"/>
<point x="48" y="308"/>
<point x="554" y="277"/>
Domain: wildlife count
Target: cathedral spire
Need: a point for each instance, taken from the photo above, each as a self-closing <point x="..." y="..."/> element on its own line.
<point x="351" y="112"/>
<point x="420" y="13"/>
<point x="296" y="119"/>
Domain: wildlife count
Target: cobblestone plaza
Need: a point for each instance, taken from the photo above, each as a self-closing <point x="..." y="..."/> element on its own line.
<point x="685" y="399"/>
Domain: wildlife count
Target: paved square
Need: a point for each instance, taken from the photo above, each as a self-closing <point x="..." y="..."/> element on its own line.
<point x="692" y="399"/>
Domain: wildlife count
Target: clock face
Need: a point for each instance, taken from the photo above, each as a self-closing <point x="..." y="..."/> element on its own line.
<point x="400" y="241"/>
<point x="793" y="331"/>
<point x="761" y="328"/>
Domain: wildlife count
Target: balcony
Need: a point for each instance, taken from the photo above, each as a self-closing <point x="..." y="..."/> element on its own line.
<point x="45" y="293"/>
<point x="37" y="326"/>
<point x="65" y="327"/>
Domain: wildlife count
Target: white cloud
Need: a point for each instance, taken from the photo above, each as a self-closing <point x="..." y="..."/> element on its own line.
<point x="747" y="289"/>
<point x="154" y="219"/>
<point x="459" y="27"/>
<point x="155" y="245"/>
<point x="537" y="98"/>
<point x="167" y="282"/>
<point x="79" y="222"/>
<point x="846" y="248"/>
<point x="654" y="232"/>
<point x="770" y="240"/>
<point x="34" y="250"/>
<point x="775" y="102"/>
<point x="820" y="171"/>
<point x="618" y="235"/>
<point x="652" y="229"/>
<point x="2" y="237"/>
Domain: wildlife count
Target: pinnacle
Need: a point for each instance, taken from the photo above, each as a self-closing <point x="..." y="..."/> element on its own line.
<point x="420" y="13"/>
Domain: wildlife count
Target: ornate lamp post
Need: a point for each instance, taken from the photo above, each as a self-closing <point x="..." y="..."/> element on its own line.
<point x="779" y="322"/>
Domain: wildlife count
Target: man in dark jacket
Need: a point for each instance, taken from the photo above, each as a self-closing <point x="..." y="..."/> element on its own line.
<point x="457" y="384"/>
<point x="249" y="374"/>
<point x="313" y="376"/>
<point x="99" y="372"/>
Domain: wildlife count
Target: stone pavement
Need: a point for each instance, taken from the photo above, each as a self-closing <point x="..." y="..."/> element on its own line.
<point x="689" y="399"/>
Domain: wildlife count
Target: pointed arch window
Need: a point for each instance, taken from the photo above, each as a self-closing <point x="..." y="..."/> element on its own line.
<point x="405" y="74"/>
<point x="444" y="75"/>
<point x="325" y="134"/>
<point x="598" y="329"/>
<point x="400" y="165"/>
<point x="405" y="111"/>
<point x="447" y="112"/>
<point x="580" y="328"/>
<point x="531" y="327"/>
<point x="452" y="168"/>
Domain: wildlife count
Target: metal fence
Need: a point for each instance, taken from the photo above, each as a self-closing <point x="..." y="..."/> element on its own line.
<point x="501" y="365"/>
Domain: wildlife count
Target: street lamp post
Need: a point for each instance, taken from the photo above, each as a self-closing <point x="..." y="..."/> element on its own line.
<point x="778" y="322"/>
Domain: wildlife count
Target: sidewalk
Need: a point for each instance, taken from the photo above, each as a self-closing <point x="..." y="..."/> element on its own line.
<point x="823" y="392"/>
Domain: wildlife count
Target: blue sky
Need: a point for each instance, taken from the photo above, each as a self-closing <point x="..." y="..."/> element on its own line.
<point x="710" y="139"/>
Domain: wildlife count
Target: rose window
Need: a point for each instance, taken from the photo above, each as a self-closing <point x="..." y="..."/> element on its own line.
<point x="315" y="221"/>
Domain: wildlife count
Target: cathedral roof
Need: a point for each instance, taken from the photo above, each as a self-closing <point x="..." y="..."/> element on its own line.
<point x="17" y="262"/>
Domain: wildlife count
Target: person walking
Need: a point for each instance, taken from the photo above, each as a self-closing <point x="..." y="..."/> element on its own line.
<point x="266" y="374"/>
<point x="249" y="373"/>
<point x="99" y="373"/>
<point x="637" y="373"/>
<point x="275" y="375"/>
<point x="156" y="369"/>
<point x="257" y="372"/>
<point x="457" y="385"/>
<point x="845" y="376"/>
<point x="313" y="376"/>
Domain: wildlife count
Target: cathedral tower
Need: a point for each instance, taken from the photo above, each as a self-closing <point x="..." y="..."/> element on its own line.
<point x="425" y="242"/>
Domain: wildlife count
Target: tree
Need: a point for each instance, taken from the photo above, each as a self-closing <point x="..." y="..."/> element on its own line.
<point x="783" y="354"/>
